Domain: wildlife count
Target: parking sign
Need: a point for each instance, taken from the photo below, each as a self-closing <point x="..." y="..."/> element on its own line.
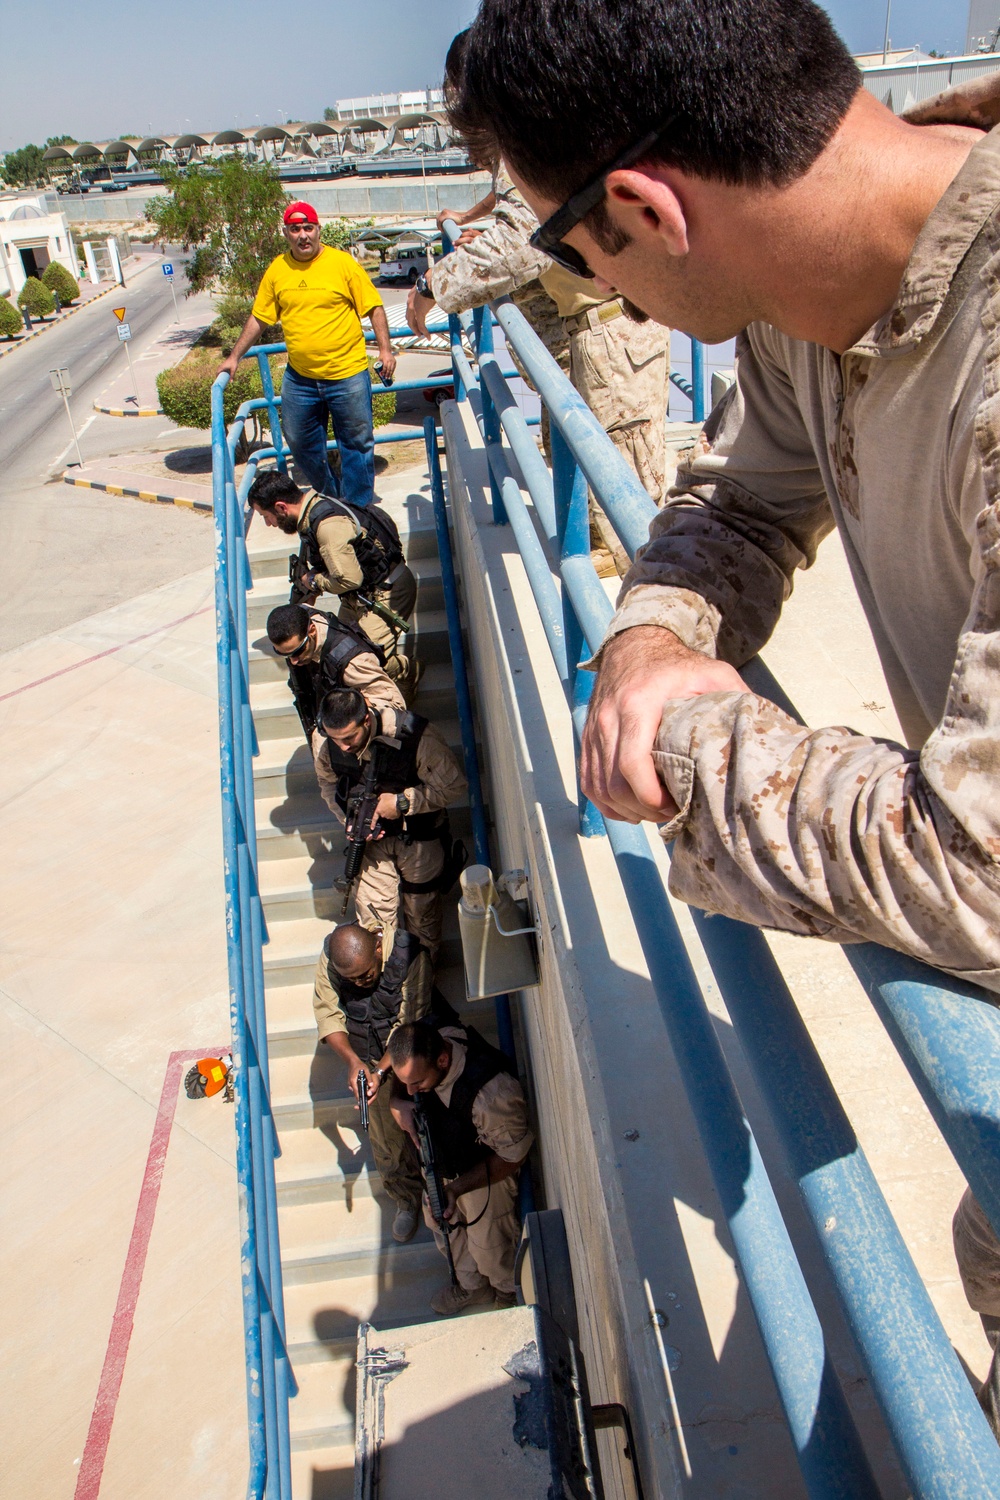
<point x="168" y="269"/>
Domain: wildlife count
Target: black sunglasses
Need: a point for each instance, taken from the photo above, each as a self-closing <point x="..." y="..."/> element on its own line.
<point x="291" y="655"/>
<point x="548" y="237"/>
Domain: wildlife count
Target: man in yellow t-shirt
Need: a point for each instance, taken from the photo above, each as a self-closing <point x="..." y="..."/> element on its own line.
<point x="320" y="295"/>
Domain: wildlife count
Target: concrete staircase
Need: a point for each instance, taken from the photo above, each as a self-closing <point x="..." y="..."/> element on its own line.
<point x="340" y="1263"/>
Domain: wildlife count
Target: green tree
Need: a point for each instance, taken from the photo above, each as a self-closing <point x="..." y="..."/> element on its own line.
<point x="60" y="282"/>
<point x="23" y="168"/>
<point x="230" y="215"/>
<point x="340" y="232"/>
<point x="62" y="140"/>
<point x="35" y="299"/>
<point x="11" y="321"/>
<point x="330" y="113"/>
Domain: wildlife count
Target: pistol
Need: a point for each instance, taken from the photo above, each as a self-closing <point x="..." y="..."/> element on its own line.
<point x="363" y="1099"/>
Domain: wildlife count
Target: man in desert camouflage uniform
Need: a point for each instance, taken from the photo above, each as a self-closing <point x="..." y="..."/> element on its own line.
<point x="860" y="257"/>
<point x="621" y="368"/>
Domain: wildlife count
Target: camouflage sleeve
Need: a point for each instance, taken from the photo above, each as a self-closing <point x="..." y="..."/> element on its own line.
<point x="831" y="834"/>
<point x="497" y="262"/>
<point x="747" y="511"/>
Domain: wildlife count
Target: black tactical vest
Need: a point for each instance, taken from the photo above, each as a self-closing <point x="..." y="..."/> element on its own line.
<point x="371" y="1014"/>
<point x="376" y="541"/>
<point x="397" y="769"/>
<point x="456" y="1144"/>
<point x="311" y="681"/>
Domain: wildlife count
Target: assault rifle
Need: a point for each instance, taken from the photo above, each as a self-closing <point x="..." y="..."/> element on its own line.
<point x="432" y="1179"/>
<point x="362" y="1087"/>
<point x="394" y="621"/>
<point x="360" y="819"/>
<point x="296" y="570"/>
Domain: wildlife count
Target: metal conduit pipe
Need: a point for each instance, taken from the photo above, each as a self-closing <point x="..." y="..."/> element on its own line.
<point x="522" y="444"/>
<point x="941" y="1436"/>
<point x="626" y="503"/>
<point x="930" y="1409"/>
<point x="264" y="1417"/>
<point x="947" y="1032"/>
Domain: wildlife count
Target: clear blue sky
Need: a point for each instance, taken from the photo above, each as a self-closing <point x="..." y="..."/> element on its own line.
<point x="94" y="71"/>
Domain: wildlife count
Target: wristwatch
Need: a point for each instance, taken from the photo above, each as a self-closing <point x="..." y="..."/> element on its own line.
<point x="380" y="1074"/>
<point x="423" y="289"/>
<point x="402" y="804"/>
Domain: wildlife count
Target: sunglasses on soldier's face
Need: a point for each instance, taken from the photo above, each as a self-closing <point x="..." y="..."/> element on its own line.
<point x="548" y="237"/>
<point x="295" y="652"/>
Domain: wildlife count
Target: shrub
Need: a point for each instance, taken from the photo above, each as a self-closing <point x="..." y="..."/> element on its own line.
<point x="11" y="321"/>
<point x="383" y="407"/>
<point x="185" y="393"/>
<point x="60" y="282"/>
<point x="36" y="300"/>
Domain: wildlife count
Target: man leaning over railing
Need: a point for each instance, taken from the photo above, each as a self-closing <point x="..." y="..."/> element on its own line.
<point x="753" y="187"/>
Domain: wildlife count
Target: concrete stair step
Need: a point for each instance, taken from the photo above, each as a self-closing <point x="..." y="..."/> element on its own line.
<point x="290" y="827"/>
<point x="328" y="1164"/>
<point x="322" y="1414"/>
<point x="323" y="1473"/>
<point x="352" y="1277"/>
<point x="310" y="1229"/>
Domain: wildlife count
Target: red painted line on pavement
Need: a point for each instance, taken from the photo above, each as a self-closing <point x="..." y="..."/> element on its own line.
<point x="109" y="652"/>
<point x="88" y="1481"/>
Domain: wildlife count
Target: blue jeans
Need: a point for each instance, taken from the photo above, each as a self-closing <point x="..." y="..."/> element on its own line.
<point x="305" y="407"/>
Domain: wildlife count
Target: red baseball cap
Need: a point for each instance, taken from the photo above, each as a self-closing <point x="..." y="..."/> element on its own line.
<point x="301" y="213"/>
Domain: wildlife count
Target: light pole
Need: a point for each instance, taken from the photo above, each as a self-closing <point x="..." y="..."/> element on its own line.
<point x="885" y="43"/>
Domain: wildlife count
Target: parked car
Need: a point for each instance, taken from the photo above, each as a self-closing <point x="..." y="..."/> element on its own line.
<point x="403" y="265"/>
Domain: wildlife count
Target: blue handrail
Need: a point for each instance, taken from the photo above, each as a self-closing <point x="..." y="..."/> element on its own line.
<point x="948" y="1034"/>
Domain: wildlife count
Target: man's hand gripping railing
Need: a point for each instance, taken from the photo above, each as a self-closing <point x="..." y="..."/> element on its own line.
<point x="436" y="1195"/>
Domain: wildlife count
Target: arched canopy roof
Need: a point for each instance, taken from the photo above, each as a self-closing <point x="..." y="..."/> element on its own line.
<point x="230" y="138"/>
<point x="368" y="126"/>
<point x="152" y="143"/>
<point x="184" y="141"/>
<point x="410" y="122"/>
<point x="322" y="127"/>
<point x="57" y="153"/>
<point x="121" y="148"/>
<point x="271" y="133"/>
<point x="86" y="151"/>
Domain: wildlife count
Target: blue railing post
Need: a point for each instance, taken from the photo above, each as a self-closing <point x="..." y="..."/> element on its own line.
<point x="267" y="385"/>
<point x="573" y="535"/>
<point x="697" y="381"/>
<point x="482" y="322"/>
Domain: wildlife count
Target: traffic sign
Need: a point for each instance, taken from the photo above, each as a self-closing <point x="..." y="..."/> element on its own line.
<point x="61" y="381"/>
<point x="120" y="314"/>
<point x="124" y="333"/>
<point x="167" y="268"/>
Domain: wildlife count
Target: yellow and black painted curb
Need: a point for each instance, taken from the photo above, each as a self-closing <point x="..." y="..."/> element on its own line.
<point x="129" y="411"/>
<point x="121" y="489"/>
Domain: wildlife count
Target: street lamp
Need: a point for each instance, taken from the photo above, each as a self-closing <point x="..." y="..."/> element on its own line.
<point x="885" y="43"/>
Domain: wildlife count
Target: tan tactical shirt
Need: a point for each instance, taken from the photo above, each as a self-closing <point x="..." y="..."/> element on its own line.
<point x="334" y="535"/>
<point x="416" y="1001"/>
<point x="362" y="672"/>
<point x="897" y="443"/>
<point x="499" y="1110"/>
<point x="440" y="782"/>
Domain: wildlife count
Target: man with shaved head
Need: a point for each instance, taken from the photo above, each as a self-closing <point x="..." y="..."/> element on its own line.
<point x="367" y="984"/>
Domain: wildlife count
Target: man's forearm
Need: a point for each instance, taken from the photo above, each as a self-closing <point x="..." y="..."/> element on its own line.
<point x="252" y="329"/>
<point x="339" y="1042"/>
<point x="380" y="328"/>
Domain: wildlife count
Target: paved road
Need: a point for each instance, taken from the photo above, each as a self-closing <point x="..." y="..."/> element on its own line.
<point x="86" y="344"/>
<point x="67" y="553"/>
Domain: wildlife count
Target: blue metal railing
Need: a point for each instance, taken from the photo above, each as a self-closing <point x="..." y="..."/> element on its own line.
<point x="947" y="1033"/>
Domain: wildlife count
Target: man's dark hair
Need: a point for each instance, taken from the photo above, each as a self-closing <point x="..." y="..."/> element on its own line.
<point x="286" y="621"/>
<point x="271" y="486"/>
<point x="560" y="87"/>
<point x="342" y="709"/>
<point x="415" y="1039"/>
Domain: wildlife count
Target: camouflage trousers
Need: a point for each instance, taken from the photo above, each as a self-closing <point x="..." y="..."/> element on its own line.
<point x="621" y="370"/>
<point x="977" y="1251"/>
